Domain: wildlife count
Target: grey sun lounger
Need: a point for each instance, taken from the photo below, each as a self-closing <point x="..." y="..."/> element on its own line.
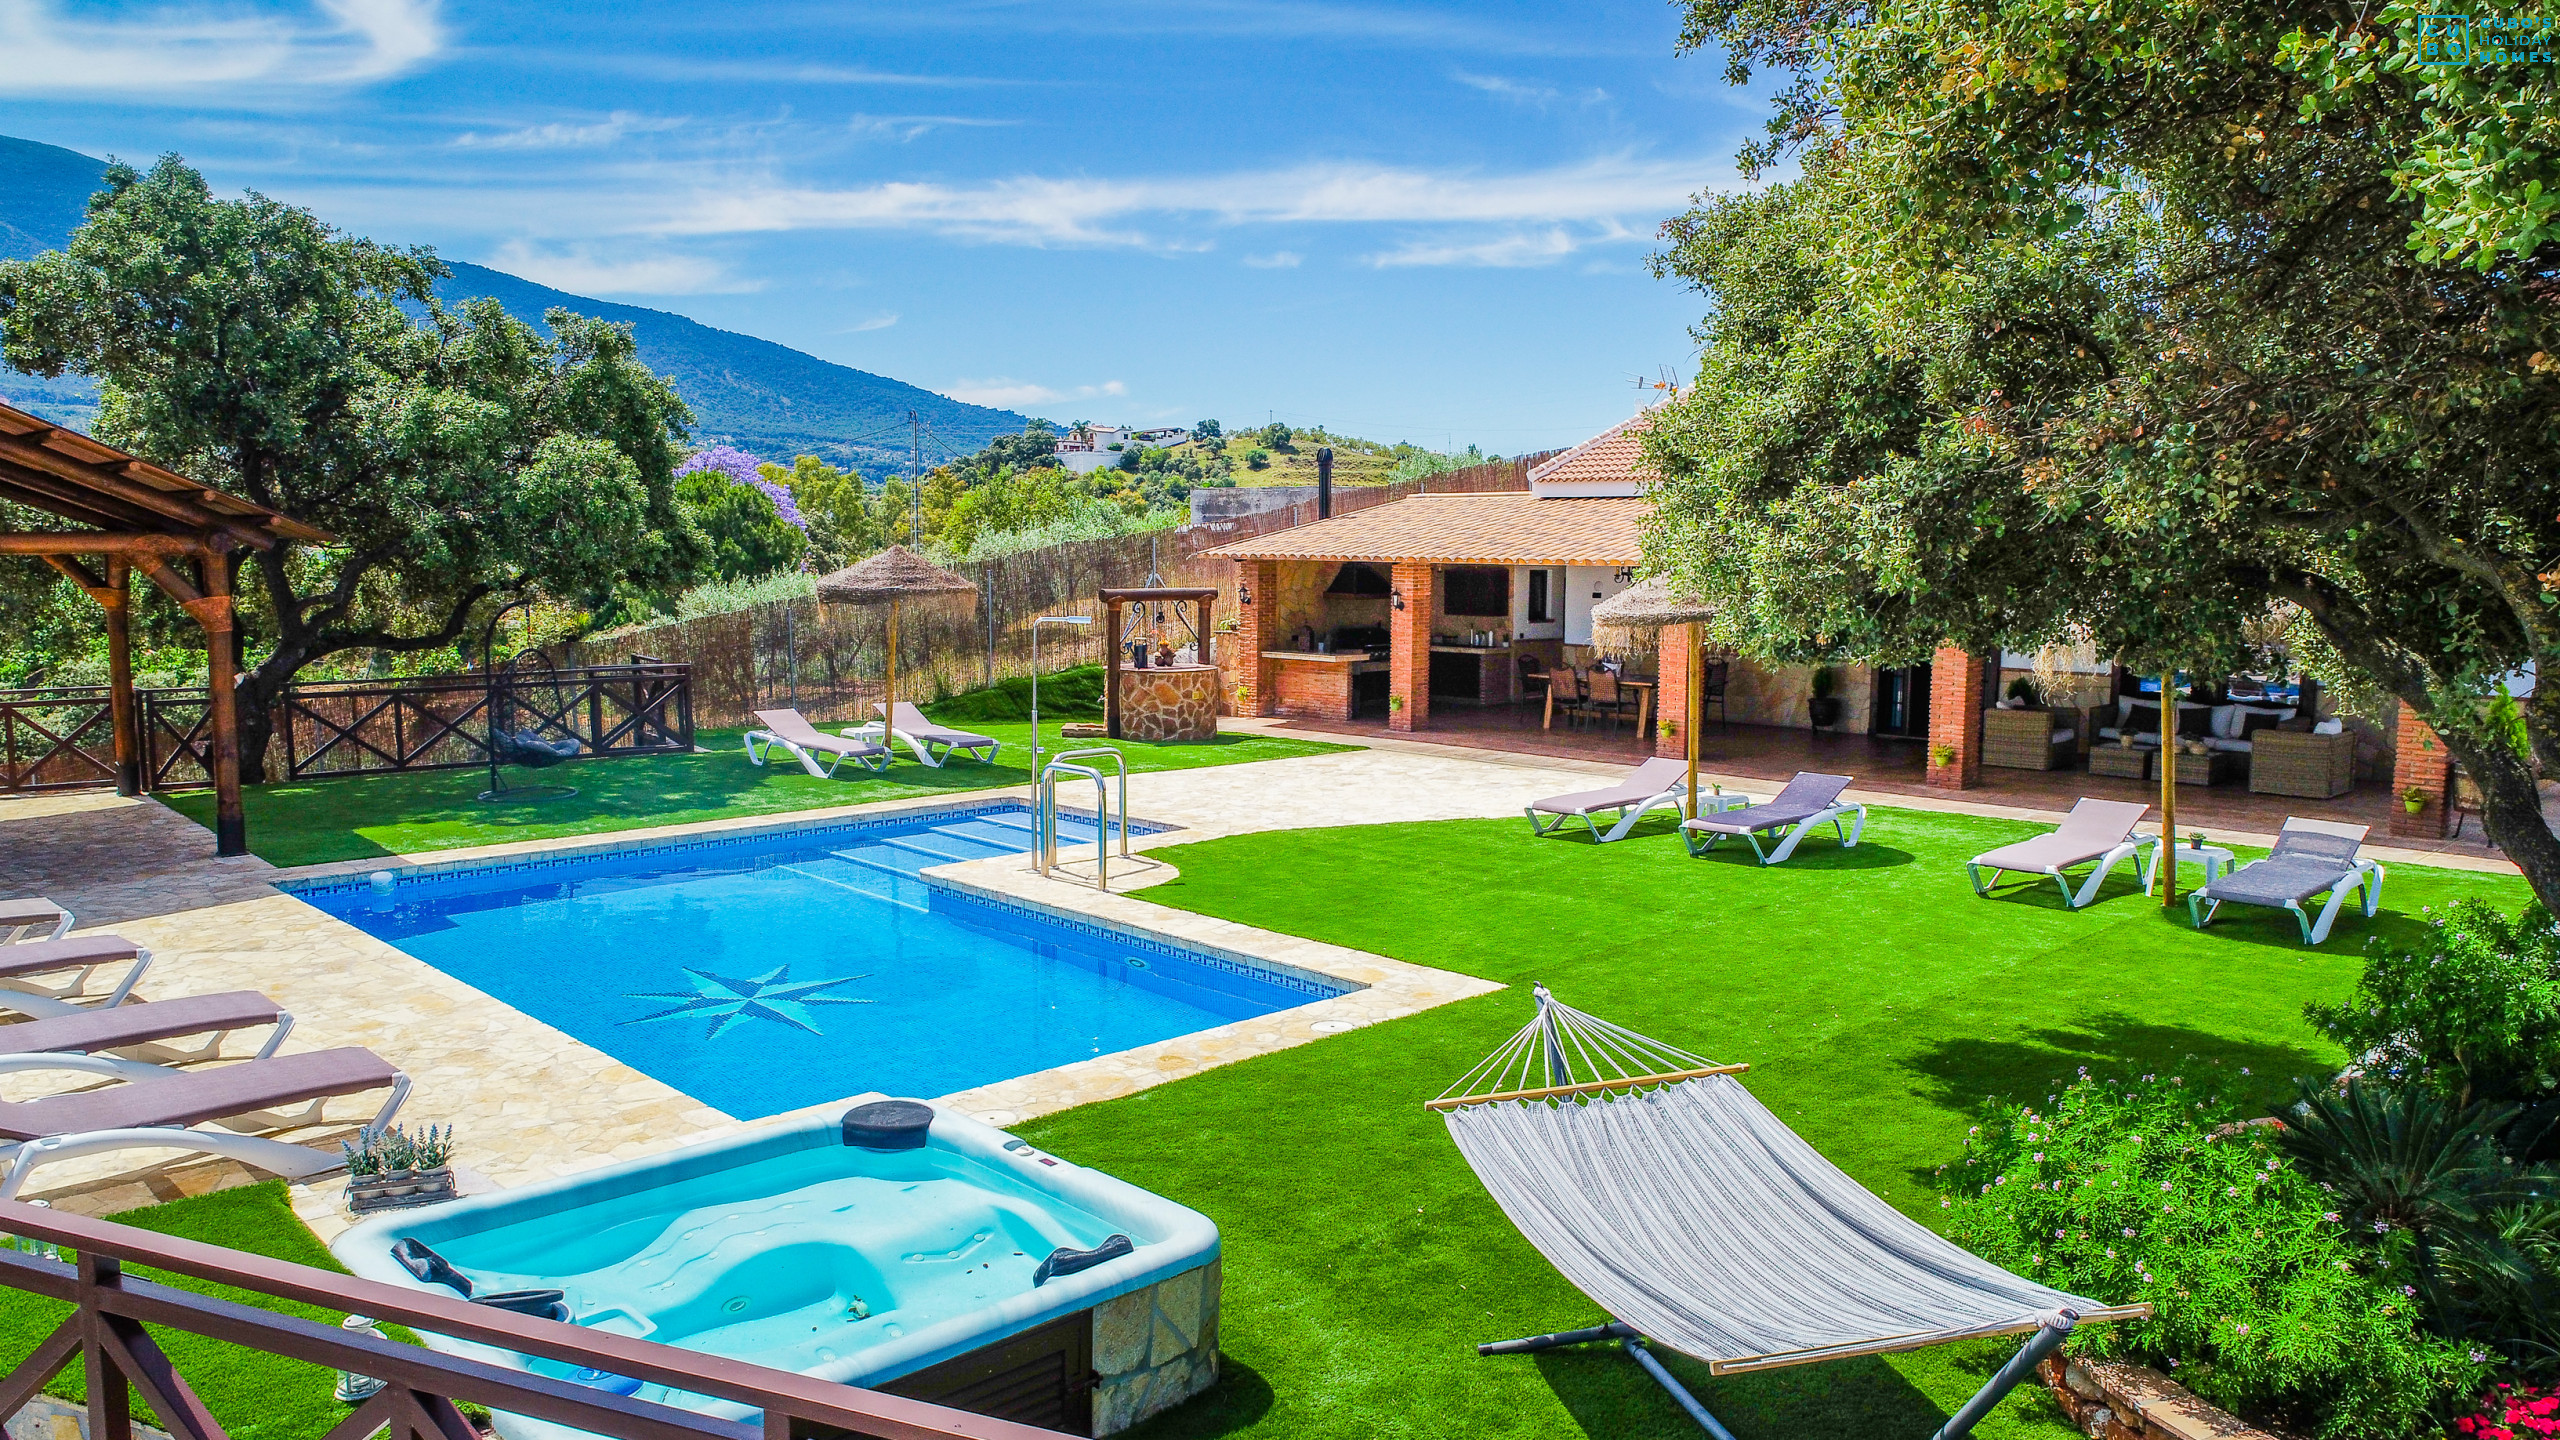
<point x="789" y="730"/>
<point x="2311" y="857"/>
<point x="169" y="1111"/>
<point x="1654" y="785"/>
<point x="32" y="918"/>
<point x="933" y="743"/>
<point x="49" y="1044"/>
<point x="83" y="953"/>
<point x="2099" y="831"/>
<point x="1810" y="799"/>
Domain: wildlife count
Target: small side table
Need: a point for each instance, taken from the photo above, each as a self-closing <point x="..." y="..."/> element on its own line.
<point x="2125" y="762"/>
<point x="2214" y="767"/>
<point x="1716" y="802"/>
<point x="2214" y="858"/>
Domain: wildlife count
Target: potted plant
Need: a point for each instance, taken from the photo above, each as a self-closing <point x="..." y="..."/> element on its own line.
<point x="2023" y="690"/>
<point x="2414" y="799"/>
<point x="392" y="1169"/>
<point x="1942" y="756"/>
<point x="1824" y="708"/>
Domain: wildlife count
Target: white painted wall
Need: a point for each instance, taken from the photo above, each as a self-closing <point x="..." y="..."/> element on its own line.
<point x="1522" y="627"/>
<point x="1586" y="586"/>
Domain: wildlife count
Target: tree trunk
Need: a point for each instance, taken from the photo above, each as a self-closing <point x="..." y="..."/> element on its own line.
<point x="260" y="698"/>
<point x="2511" y="795"/>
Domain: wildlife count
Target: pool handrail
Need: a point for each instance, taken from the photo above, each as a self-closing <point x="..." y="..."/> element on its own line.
<point x="1045" y="809"/>
<point x="107" y="1332"/>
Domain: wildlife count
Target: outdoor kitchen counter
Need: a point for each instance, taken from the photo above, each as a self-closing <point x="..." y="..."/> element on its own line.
<point x="1323" y="685"/>
<point x="1318" y="657"/>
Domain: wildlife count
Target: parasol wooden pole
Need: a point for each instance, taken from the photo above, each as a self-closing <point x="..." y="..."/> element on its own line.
<point x="2168" y="861"/>
<point x="889" y="706"/>
<point x="1697" y="652"/>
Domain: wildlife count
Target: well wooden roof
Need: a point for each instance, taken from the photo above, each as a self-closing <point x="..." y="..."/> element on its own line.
<point x="85" y="481"/>
<point x="1508" y="527"/>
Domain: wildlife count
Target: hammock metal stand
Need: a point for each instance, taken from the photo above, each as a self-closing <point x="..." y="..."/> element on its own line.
<point x="1711" y="1196"/>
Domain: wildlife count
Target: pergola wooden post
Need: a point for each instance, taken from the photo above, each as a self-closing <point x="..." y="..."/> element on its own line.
<point x="139" y="516"/>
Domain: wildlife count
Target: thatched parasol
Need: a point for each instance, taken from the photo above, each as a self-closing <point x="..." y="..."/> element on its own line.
<point x="894" y="577"/>
<point x="1654" y="605"/>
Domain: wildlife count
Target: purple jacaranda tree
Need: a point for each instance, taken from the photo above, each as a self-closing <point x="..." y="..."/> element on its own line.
<point x="742" y="467"/>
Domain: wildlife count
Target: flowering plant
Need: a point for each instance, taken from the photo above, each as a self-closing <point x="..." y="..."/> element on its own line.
<point x="2513" y="1412"/>
<point x="2137" y="1191"/>
<point x="745" y="469"/>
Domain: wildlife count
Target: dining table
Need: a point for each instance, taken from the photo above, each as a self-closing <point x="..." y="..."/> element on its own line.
<point x="1643" y="687"/>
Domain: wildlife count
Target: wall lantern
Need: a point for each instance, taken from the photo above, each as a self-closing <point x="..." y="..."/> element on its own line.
<point x="1244" y="593"/>
<point x="1399" y="595"/>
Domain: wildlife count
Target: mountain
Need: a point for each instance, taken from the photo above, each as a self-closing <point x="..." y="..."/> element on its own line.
<point x="769" y="399"/>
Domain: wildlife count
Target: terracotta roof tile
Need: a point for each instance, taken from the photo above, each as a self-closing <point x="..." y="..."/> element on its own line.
<point x="1507" y="527"/>
<point x="1610" y="455"/>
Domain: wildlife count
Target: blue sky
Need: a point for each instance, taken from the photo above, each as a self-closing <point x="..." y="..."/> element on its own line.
<point x="1421" y="222"/>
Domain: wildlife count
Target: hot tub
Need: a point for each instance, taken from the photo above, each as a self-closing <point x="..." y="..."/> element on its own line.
<point x="899" y="1247"/>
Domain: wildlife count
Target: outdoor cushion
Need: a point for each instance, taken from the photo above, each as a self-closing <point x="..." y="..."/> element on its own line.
<point x="2303" y="863"/>
<point x="1653" y="777"/>
<point x="139" y="1024"/>
<point x="35" y="957"/>
<point x="2226" y="721"/>
<point x="2253" y="721"/>
<point x="2236" y="747"/>
<point x="194" y="1096"/>
<point x="1807" y="795"/>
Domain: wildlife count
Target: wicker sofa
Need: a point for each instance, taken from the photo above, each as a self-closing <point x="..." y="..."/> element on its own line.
<point x="2031" y="739"/>
<point x="2299" y="763"/>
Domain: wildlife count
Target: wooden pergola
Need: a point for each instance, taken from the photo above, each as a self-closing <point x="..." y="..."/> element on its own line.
<point x="180" y="534"/>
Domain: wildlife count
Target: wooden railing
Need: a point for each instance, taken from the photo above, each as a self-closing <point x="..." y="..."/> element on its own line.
<point x="421" y="1387"/>
<point x="60" y="737"/>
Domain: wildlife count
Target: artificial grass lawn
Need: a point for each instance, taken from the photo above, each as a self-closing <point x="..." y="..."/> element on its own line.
<point x="365" y="816"/>
<point x="256" y="1396"/>
<point x="1878" y="1001"/>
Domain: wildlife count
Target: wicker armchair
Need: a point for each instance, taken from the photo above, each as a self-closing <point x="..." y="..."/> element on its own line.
<point x="2296" y="762"/>
<point x="2031" y="739"/>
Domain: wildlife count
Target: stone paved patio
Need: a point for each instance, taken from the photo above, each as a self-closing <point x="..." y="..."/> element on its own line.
<point x="531" y="1102"/>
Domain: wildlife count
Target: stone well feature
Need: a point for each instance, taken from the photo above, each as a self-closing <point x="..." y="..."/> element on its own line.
<point x="1154" y="1348"/>
<point x="1177" y="702"/>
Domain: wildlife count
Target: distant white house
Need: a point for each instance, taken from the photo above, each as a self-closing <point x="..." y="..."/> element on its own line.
<point x="1097" y="447"/>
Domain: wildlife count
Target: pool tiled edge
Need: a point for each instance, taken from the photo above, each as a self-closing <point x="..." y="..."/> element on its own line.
<point x="1387" y="990"/>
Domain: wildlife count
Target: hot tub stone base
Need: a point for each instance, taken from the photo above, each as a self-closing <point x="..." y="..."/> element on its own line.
<point x="1154" y="1348"/>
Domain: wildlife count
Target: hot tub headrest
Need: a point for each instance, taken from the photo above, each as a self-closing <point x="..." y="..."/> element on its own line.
<point x="428" y="1266"/>
<point x="1063" y="1261"/>
<point x="541" y="1304"/>
<point x="888" y="1125"/>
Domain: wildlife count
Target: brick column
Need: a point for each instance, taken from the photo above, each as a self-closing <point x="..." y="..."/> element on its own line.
<point x="1678" y="646"/>
<point x="1955" y="716"/>
<point x="1409" y="648"/>
<point x="2423" y="762"/>
<point x="1242" y="652"/>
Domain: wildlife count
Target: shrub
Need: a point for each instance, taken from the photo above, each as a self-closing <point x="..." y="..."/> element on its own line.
<point x="1071" y="694"/>
<point x="2474" y="1014"/>
<point x="2132" y="1191"/>
<point x="1257" y="458"/>
<point x="1276" y="435"/>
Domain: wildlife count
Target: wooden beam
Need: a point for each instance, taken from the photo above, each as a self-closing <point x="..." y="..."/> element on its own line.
<point x="107" y="480"/>
<point x="101" y="542"/>
<point x="61" y="497"/>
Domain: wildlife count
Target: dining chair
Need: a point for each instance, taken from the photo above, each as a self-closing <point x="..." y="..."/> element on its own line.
<point x="1533" y="678"/>
<point x="1567" y="690"/>
<point x="1711" y="683"/>
<point x="1601" y="696"/>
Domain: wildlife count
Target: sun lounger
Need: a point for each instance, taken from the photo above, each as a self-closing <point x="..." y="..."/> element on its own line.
<point x="52" y="1044"/>
<point x="787" y="730"/>
<point x="32" y="918"/>
<point x="933" y="743"/>
<point x="2311" y="857"/>
<point x="1810" y="799"/>
<point x="83" y="953"/>
<point x="166" y="1112"/>
<point x="1653" y="785"/>
<point x="2095" y="830"/>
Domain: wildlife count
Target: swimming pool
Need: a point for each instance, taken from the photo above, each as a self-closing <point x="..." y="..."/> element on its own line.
<point x="766" y="972"/>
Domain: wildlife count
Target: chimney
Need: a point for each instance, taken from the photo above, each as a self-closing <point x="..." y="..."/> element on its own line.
<point x="1324" y="482"/>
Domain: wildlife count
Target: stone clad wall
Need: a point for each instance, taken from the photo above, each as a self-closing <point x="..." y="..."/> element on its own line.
<point x="1154" y="1348"/>
<point x="1176" y="704"/>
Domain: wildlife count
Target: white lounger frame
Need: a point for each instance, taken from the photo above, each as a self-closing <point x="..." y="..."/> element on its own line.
<point x="120" y="1068"/>
<point x="1629" y="812"/>
<point x="22" y="996"/>
<point x="14" y="934"/>
<point x="809" y="762"/>
<point x="2143" y="849"/>
<point x="921" y="746"/>
<point x="1690" y="829"/>
<point x="2364" y="878"/>
<point x="276" y="1157"/>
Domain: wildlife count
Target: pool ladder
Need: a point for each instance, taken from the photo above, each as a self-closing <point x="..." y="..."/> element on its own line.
<point x="1044" y="810"/>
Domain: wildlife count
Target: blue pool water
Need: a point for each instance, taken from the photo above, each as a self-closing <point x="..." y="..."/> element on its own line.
<point x="762" y="974"/>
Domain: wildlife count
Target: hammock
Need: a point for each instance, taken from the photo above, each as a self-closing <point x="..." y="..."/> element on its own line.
<point x="1699" y="1221"/>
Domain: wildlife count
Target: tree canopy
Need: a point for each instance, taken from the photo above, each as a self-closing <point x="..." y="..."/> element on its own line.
<point x="2148" y="325"/>
<point x="463" y="459"/>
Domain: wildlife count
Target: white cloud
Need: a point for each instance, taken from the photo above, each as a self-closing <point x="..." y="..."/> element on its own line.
<point x="1276" y="260"/>
<point x="903" y="128"/>
<point x="1007" y="393"/>
<point x="1505" y="88"/>
<point x="1034" y="210"/>
<point x="876" y="322"/>
<point x="563" y="136"/>
<point x="193" y="47"/>
<point x="1503" y="252"/>
<point x="580" y="270"/>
